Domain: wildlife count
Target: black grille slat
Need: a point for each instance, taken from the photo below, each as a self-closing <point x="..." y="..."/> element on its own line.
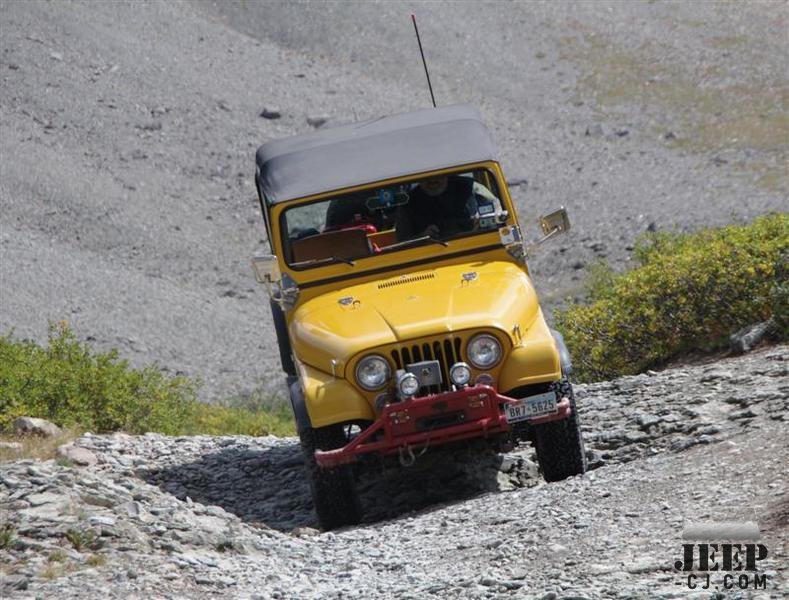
<point x="442" y="364"/>
<point x="449" y="353"/>
<point x="446" y="352"/>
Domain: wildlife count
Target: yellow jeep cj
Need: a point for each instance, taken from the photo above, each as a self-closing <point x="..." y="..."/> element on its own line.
<point x="404" y="310"/>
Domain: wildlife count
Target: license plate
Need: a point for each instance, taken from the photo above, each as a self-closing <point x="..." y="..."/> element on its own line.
<point x="533" y="406"/>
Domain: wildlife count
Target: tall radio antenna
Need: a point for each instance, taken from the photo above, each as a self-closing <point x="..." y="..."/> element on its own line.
<point x="418" y="41"/>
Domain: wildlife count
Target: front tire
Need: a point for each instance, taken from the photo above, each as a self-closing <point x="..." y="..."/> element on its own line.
<point x="559" y="445"/>
<point x="333" y="489"/>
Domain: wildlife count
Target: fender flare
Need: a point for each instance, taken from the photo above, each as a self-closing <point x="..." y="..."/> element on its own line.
<point x="298" y="404"/>
<point x="283" y="340"/>
<point x="564" y="354"/>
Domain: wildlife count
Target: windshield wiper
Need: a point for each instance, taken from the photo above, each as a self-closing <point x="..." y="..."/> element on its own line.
<point x="315" y="261"/>
<point x="424" y="238"/>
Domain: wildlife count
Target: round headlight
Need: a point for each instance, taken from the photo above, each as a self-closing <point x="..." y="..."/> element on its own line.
<point x="460" y="374"/>
<point x="484" y="351"/>
<point x="408" y="385"/>
<point x="372" y="372"/>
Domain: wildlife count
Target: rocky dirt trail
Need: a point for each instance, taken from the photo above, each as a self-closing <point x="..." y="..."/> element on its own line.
<point x="230" y="517"/>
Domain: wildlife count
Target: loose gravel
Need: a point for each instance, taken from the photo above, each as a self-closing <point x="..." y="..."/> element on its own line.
<point x="230" y="517"/>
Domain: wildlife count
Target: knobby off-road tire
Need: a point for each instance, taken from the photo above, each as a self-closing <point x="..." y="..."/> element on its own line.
<point x="560" y="447"/>
<point x="333" y="489"/>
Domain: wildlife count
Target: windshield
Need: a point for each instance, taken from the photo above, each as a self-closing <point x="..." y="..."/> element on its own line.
<point x="353" y="226"/>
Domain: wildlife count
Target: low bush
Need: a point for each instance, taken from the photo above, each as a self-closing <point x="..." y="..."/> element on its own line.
<point x="240" y="417"/>
<point x="71" y="385"/>
<point x="7" y="536"/>
<point x="688" y="293"/>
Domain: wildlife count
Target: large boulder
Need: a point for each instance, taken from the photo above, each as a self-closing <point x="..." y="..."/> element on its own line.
<point x="33" y="426"/>
<point x="77" y="455"/>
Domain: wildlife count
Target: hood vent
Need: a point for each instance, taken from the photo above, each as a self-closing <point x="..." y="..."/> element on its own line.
<point x="405" y="279"/>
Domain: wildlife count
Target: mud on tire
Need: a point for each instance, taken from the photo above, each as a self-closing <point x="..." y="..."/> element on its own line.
<point x="559" y="445"/>
<point x="333" y="489"/>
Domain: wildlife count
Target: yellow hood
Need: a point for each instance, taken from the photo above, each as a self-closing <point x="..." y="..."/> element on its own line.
<point x="338" y="325"/>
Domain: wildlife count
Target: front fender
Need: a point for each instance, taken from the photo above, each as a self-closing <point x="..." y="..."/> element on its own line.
<point x="535" y="360"/>
<point x="331" y="400"/>
<point x="564" y="353"/>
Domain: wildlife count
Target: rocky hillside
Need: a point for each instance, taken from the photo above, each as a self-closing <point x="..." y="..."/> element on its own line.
<point x="127" y="208"/>
<point x="229" y="517"/>
<point x="128" y="133"/>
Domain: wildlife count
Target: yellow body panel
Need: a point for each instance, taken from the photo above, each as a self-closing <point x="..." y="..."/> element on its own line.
<point x="388" y="311"/>
<point x="534" y="360"/>
<point x="331" y="400"/>
<point x="346" y="312"/>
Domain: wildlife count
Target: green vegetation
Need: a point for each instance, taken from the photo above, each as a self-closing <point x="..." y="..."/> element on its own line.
<point x="57" y="556"/>
<point x="688" y="294"/>
<point x="255" y="415"/>
<point x="707" y="110"/>
<point x="83" y="539"/>
<point x="7" y="536"/>
<point x="71" y="385"/>
<point x="96" y="560"/>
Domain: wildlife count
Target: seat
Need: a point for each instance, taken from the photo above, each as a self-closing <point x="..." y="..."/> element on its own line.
<point x="346" y="243"/>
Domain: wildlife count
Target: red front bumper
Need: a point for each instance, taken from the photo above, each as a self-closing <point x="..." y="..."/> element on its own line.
<point x="435" y="420"/>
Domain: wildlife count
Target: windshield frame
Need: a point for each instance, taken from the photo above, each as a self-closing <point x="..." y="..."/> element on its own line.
<point x="373" y="260"/>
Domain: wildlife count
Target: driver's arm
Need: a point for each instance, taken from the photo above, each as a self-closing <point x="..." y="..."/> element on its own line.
<point x="480" y="192"/>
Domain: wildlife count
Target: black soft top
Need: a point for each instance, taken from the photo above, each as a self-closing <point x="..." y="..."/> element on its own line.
<point x="366" y="152"/>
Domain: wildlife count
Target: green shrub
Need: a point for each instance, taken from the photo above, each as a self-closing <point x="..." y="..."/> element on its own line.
<point x="688" y="293"/>
<point x="82" y="539"/>
<point x="779" y="295"/>
<point x="7" y="536"/>
<point x="73" y="386"/>
<point x="234" y="418"/>
<point x="68" y="384"/>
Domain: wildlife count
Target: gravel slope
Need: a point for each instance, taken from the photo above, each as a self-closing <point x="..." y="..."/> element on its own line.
<point x="128" y="134"/>
<point x="230" y="517"/>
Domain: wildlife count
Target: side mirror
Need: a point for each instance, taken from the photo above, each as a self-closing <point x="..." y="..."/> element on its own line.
<point x="281" y="287"/>
<point x="266" y="268"/>
<point x="555" y="223"/>
<point x="552" y="224"/>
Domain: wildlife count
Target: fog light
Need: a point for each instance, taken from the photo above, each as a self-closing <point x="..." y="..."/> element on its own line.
<point x="407" y="384"/>
<point x="382" y="401"/>
<point x="460" y="374"/>
<point x="484" y="379"/>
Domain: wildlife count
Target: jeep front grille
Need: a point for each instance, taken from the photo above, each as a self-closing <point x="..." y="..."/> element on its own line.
<point x="446" y="351"/>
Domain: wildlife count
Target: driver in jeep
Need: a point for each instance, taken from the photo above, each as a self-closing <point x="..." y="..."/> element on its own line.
<point x="446" y="205"/>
